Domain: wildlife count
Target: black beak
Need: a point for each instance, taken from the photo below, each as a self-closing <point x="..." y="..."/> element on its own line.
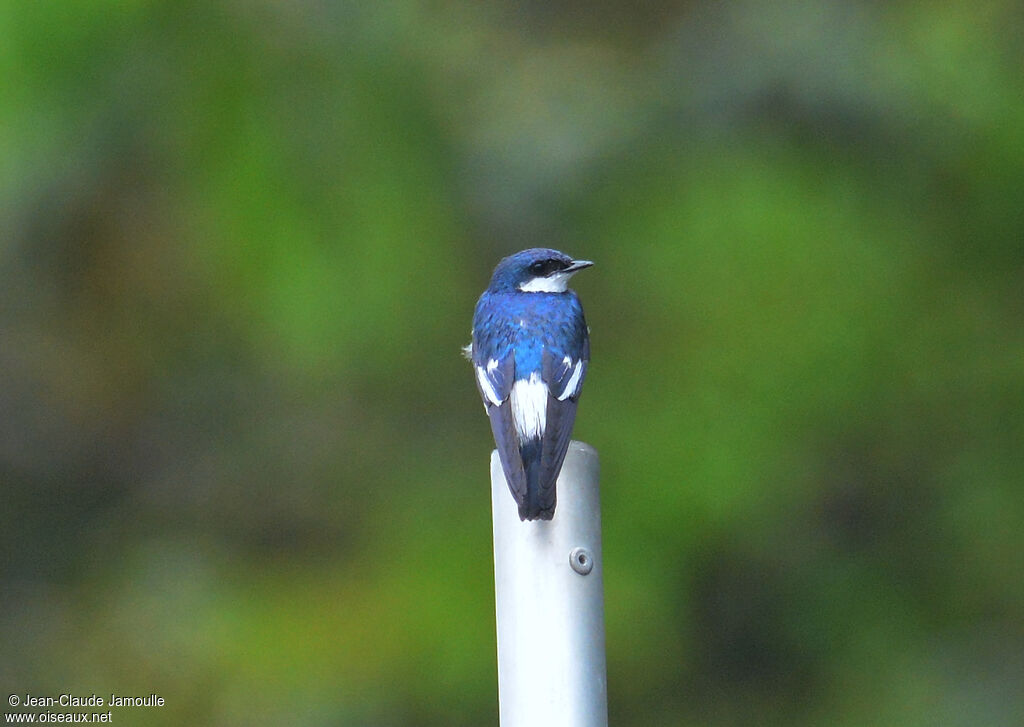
<point x="578" y="265"/>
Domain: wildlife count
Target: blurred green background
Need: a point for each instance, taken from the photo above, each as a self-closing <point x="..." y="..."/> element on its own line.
<point x="244" y="466"/>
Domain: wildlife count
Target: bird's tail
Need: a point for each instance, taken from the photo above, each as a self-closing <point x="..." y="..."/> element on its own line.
<point x="539" y="503"/>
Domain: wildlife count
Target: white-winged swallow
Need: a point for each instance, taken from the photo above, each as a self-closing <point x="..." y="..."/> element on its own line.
<point x="530" y="351"/>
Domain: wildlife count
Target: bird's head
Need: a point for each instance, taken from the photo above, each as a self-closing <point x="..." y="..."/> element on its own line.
<point x="537" y="270"/>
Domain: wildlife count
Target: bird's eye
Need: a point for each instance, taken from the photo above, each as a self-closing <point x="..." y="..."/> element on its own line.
<point x="546" y="267"/>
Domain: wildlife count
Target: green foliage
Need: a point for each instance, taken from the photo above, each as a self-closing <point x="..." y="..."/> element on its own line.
<point x="244" y="465"/>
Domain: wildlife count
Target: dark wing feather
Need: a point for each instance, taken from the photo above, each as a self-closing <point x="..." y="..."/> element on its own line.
<point x="502" y="424"/>
<point x="554" y="445"/>
<point x="561" y="415"/>
<point x="508" y="449"/>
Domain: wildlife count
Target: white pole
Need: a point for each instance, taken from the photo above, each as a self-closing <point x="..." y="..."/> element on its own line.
<point x="550" y="602"/>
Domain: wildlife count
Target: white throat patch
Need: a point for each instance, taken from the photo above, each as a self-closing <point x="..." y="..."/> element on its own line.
<point x="554" y="283"/>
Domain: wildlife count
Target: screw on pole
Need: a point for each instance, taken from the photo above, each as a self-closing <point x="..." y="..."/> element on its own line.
<point x="549" y="602"/>
<point x="581" y="561"/>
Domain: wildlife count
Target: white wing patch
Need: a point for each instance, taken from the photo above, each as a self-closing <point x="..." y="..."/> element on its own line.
<point x="485" y="382"/>
<point x="572" y="386"/>
<point x="530" y="407"/>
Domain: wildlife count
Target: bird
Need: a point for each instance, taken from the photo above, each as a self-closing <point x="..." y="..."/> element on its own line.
<point x="530" y="350"/>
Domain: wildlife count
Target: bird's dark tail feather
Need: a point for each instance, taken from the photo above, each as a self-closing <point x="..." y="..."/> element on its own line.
<point x="540" y="496"/>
